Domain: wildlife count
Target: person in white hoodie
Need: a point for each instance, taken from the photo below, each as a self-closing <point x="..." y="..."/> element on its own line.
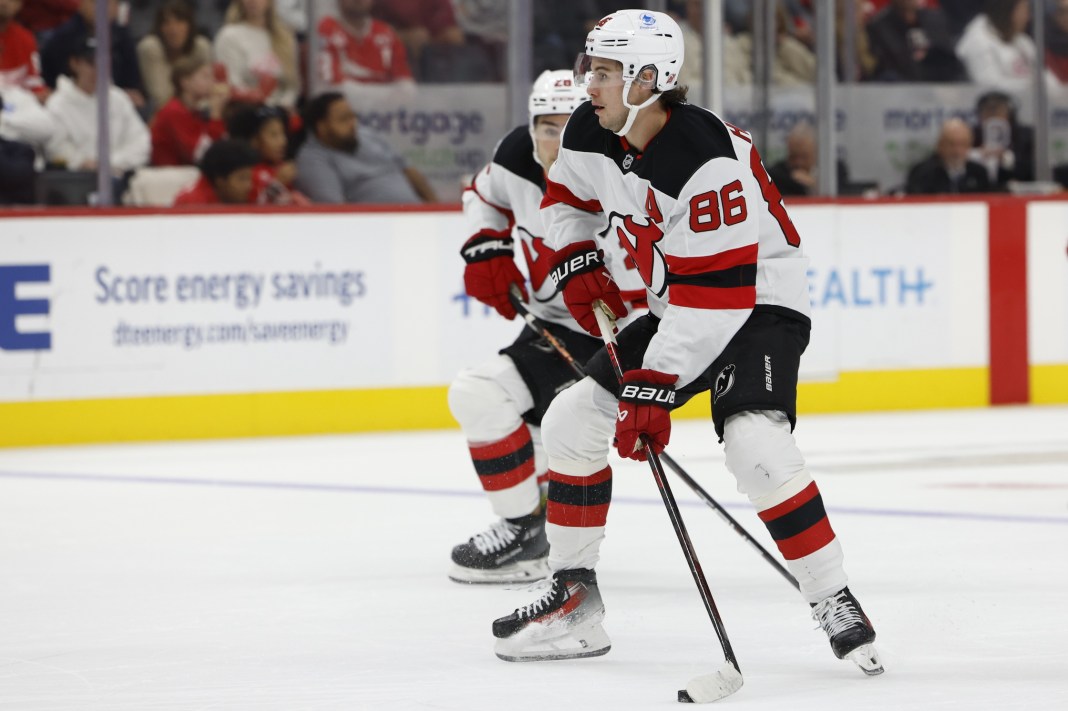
<point x="996" y="49"/>
<point x="73" y="108"/>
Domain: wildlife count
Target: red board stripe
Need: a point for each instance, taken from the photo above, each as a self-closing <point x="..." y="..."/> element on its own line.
<point x="1009" y="377"/>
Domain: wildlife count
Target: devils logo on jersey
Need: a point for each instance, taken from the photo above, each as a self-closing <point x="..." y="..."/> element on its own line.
<point x="639" y="236"/>
<point x="724" y="382"/>
<point x="539" y="261"/>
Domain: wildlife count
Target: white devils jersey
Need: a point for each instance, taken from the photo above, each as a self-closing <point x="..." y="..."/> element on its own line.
<point x="697" y="214"/>
<point x="504" y="198"/>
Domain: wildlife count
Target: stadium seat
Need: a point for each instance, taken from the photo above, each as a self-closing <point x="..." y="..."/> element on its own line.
<point x="157" y="187"/>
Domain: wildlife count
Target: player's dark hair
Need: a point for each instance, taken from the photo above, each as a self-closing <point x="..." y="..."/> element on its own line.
<point x="675" y="96"/>
<point x="317" y="109"/>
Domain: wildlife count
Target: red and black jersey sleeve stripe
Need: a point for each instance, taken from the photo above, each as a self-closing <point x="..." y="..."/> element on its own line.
<point x="799" y="525"/>
<point x="719" y="281"/>
<point x="557" y="193"/>
<point x="579" y="501"/>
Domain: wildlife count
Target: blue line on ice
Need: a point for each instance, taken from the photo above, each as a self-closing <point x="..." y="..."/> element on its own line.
<point x="361" y="489"/>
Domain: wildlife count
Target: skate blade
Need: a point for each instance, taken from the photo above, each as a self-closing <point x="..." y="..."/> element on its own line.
<point x="712" y="687"/>
<point x="541" y="645"/>
<point x="525" y="571"/>
<point x="867" y="658"/>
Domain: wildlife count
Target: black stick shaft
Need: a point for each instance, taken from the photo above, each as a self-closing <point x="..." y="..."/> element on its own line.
<point x="676" y="516"/>
<point x="539" y="328"/>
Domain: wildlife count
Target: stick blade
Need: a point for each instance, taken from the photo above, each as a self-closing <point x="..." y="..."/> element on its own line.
<point x="712" y="687"/>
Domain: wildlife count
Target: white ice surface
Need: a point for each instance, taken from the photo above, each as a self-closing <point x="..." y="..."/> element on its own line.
<point x="310" y="573"/>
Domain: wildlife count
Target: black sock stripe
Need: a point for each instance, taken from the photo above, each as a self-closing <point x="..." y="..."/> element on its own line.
<point x="578" y="495"/>
<point x="500" y="465"/>
<point x="799" y="520"/>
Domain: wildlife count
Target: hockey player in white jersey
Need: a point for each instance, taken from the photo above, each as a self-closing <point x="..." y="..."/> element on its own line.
<point x="500" y="402"/>
<point x="689" y="198"/>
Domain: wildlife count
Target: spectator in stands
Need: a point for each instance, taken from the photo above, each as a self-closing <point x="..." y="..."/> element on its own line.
<point x="995" y="47"/>
<point x="561" y="25"/>
<point x="42" y="16"/>
<point x="57" y="50"/>
<point x="1004" y="147"/>
<point x="295" y="14"/>
<point x="18" y="51"/>
<point x="73" y="107"/>
<point x="796" y="174"/>
<point x="863" y="65"/>
<point x="16" y="169"/>
<point x="363" y="57"/>
<point x="192" y="120"/>
<point x="25" y="119"/>
<point x="794" y="64"/>
<point x="948" y="170"/>
<point x="264" y="129"/>
<point x="959" y="13"/>
<point x="173" y="37"/>
<point x="913" y="43"/>
<point x="339" y="164"/>
<point x="419" y="23"/>
<point x="259" y="52"/>
<point x="1057" y="41"/>
<point x="225" y="176"/>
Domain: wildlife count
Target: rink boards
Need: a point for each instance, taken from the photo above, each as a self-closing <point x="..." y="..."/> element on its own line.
<point x="159" y="325"/>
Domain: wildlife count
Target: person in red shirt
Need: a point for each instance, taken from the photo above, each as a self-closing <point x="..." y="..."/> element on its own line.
<point x="264" y="129"/>
<point x="420" y="22"/>
<point x="357" y="48"/>
<point x="187" y="124"/>
<point x="225" y="176"/>
<point x="20" y="64"/>
<point x="44" y="15"/>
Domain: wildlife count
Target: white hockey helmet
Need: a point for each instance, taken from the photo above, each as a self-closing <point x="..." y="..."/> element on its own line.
<point x="555" y="92"/>
<point x="648" y="44"/>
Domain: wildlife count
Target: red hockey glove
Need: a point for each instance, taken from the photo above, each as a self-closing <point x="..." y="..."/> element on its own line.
<point x="491" y="270"/>
<point x="581" y="276"/>
<point x="645" y="401"/>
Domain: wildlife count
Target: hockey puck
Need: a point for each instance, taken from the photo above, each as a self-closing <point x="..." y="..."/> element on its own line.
<point x="684" y="697"/>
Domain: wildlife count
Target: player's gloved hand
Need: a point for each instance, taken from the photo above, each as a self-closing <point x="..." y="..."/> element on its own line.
<point x="645" y="401"/>
<point x="491" y="270"/>
<point x="583" y="279"/>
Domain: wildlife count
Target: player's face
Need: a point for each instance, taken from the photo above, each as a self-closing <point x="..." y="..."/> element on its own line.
<point x="605" y="87"/>
<point x="235" y="188"/>
<point x="547" y="131"/>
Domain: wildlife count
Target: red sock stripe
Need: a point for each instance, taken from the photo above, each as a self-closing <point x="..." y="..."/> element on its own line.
<point x="576" y="516"/>
<point x="792" y="504"/>
<point x="502" y="447"/>
<point x="591" y="480"/>
<point x="808" y="541"/>
<point x="508" y="479"/>
<point x="543" y="478"/>
<point x="579" y="501"/>
<point x="505" y="463"/>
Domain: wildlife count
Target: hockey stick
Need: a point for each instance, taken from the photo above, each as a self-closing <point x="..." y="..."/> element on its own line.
<point x="728" y="679"/>
<point x="539" y="328"/>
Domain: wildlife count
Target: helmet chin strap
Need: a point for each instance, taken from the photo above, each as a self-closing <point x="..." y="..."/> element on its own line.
<point x="632" y="114"/>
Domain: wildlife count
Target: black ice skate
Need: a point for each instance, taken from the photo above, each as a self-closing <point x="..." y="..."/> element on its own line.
<point x="511" y="550"/>
<point x="564" y="623"/>
<point x="849" y="630"/>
